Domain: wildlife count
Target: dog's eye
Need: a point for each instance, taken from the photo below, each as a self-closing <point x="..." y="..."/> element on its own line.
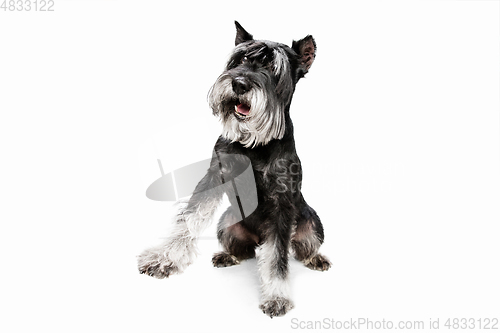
<point x="244" y="60"/>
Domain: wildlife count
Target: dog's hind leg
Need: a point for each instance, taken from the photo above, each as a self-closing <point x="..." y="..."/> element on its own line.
<point x="179" y="250"/>
<point x="307" y="238"/>
<point x="238" y="242"/>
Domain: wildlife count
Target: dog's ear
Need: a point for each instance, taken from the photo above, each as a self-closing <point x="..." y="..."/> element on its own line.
<point x="241" y="34"/>
<point x="306" y="50"/>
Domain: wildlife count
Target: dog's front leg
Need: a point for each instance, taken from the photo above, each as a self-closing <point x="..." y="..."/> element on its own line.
<point x="179" y="249"/>
<point x="272" y="259"/>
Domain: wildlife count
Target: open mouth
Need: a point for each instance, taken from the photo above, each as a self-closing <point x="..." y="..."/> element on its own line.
<point x="241" y="110"/>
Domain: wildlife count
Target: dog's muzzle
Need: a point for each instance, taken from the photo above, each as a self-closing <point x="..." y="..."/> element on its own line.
<point x="240" y="87"/>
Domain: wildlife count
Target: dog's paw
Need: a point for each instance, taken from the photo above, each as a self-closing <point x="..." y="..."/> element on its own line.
<point x="155" y="265"/>
<point x="276" y="307"/>
<point x="223" y="259"/>
<point x="318" y="262"/>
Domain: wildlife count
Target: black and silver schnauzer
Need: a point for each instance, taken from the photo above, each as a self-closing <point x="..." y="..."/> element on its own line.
<point x="252" y="98"/>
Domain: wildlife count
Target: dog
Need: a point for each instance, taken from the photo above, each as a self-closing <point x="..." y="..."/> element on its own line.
<point x="252" y="98"/>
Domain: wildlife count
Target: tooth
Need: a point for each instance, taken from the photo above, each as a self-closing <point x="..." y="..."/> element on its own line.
<point x="236" y="108"/>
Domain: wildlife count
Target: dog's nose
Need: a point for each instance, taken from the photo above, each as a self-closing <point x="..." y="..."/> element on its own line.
<point x="240" y="85"/>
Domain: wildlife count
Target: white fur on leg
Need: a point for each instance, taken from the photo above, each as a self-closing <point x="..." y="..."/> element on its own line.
<point x="275" y="289"/>
<point x="173" y="256"/>
<point x="272" y="285"/>
<point x="179" y="250"/>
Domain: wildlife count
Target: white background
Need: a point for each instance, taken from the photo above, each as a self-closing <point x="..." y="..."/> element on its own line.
<point x="397" y="127"/>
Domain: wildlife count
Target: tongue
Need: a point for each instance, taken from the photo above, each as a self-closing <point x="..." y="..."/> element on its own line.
<point x="243" y="109"/>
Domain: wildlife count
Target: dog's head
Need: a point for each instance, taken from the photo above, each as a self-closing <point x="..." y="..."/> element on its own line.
<point x="253" y="95"/>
